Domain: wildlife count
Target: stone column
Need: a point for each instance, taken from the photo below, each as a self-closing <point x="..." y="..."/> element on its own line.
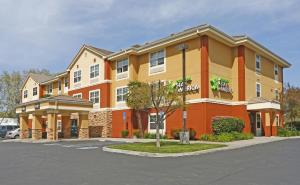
<point x="24" y="133"/>
<point x="36" y="127"/>
<point x="51" y="127"/>
<point x="83" y="125"/>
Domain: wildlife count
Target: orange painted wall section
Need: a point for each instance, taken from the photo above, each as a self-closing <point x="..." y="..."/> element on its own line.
<point x="199" y="117"/>
<point x="104" y="93"/>
<point x="204" y="67"/>
<point x="241" y="73"/>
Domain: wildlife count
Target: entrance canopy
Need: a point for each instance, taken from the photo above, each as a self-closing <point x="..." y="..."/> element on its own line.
<point x="57" y="103"/>
<point x="263" y="104"/>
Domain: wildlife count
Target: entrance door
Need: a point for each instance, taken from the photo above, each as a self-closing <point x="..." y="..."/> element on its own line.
<point x="258" y="124"/>
<point x="74" y="128"/>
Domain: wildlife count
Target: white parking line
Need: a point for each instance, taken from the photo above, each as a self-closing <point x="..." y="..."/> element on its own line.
<point x="87" y="148"/>
<point x="52" y="144"/>
<point x="68" y="146"/>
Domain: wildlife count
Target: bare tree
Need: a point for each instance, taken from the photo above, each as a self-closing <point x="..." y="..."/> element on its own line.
<point x="165" y="101"/>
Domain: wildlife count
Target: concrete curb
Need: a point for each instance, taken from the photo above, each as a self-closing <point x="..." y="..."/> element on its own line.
<point x="230" y="146"/>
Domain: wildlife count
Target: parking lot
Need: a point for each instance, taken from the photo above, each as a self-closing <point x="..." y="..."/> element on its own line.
<point x="84" y="163"/>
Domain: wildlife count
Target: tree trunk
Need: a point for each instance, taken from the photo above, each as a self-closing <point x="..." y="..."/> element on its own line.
<point x="139" y="119"/>
<point x="157" y="134"/>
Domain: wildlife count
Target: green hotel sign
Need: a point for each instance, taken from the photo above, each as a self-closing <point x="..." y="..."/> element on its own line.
<point x="220" y="84"/>
<point x="189" y="88"/>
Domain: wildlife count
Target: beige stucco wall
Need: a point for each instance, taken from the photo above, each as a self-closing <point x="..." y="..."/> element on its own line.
<point x="29" y="85"/>
<point x="139" y="68"/>
<point x="84" y="61"/>
<point x="266" y="77"/>
<point x="223" y="63"/>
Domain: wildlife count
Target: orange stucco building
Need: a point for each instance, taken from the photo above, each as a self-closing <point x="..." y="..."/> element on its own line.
<point x="235" y="76"/>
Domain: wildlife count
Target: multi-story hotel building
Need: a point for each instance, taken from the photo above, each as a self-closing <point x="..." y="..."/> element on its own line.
<point x="231" y="76"/>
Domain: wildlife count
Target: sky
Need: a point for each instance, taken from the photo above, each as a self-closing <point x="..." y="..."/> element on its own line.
<point x="48" y="33"/>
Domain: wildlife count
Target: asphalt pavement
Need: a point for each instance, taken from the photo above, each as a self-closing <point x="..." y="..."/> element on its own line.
<point x="84" y="163"/>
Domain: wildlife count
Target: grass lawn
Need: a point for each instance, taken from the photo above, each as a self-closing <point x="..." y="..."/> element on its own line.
<point x="166" y="147"/>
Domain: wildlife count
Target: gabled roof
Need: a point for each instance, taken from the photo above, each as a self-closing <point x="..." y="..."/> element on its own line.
<point x="98" y="51"/>
<point x="193" y="32"/>
<point x="38" y="78"/>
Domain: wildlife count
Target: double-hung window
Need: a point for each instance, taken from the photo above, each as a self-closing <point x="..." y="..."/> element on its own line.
<point x="157" y="61"/>
<point x="122" y="94"/>
<point x="258" y="89"/>
<point x="276" y="72"/>
<point x="77" y="76"/>
<point x="152" y="124"/>
<point x="258" y="63"/>
<point x="34" y="91"/>
<point x="25" y="94"/>
<point x="49" y="88"/>
<point x="122" y="69"/>
<point x="94" y="71"/>
<point x="95" y="96"/>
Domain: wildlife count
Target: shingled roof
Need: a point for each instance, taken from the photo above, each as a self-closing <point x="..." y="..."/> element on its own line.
<point x="100" y="50"/>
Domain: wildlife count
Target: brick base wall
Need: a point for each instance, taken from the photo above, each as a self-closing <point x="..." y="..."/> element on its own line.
<point x="103" y="119"/>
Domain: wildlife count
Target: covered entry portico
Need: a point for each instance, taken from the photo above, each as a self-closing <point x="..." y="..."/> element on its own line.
<point x="265" y="117"/>
<point x="55" y="116"/>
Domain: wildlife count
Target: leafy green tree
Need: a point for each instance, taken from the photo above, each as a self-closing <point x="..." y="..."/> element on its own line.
<point x="165" y="100"/>
<point x="138" y="98"/>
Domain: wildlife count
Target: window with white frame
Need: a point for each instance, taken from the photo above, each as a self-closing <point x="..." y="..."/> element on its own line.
<point x="66" y="80"/>
<point x="25" y="94"/>
<point x="77" y="76"/>
<point x="95" y="96"/>
<point x="157" y="62"/>
<point x="276" y="94"/>
<point x="157" y="58"/>
<point x="59" y="85"/>
<point x="276" y="70"/>
<point x="258" y="89"/>
<point x="122" y="66"/>
<point x="122" y="94"/>
<point x="34" y="91"/>
<point x="79" y="95"/>
<point x="258" y="63"/>
<point x="152" y="124"/>
<point x="94" y="71"/>
<point x="49" y="88"/>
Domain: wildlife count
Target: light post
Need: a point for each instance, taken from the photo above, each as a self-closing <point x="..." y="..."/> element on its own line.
<point x="184" y="134"/>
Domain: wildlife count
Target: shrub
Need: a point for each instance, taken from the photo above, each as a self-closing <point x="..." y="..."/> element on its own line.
<point x="226" y="137"/>
<point x="137" y="134"/>
<point x="175" y="133"/>
<point x="124" y="133"/>
<point x="153" y="136"/>
<point x="287" y="132"/>
<point x="227" y="125"/>
<point x="293" y="125"/>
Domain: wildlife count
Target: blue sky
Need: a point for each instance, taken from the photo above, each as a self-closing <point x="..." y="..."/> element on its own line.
<point x="48" y="33"/>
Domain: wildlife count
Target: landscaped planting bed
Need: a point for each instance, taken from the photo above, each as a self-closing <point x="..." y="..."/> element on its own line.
<point x="166" y="147"/>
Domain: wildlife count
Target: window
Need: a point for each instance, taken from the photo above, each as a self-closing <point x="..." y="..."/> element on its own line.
<point x="59" y="85"/>
<point x="66" y="82"/>
<point x="276" y="94"/>
<point x="121" y="94"/>
<point x="49" y="88"/>
<point x="258" y="120"/>
<point x="276" y="72"/>
<point x="122" y="66"/>
<point x="77" y="76"/>
<point x="79" y="95"/>
<point x="95" y="96"/>
<point x="157" y="58"/>
<point x="152" y="122"/>
<point x="258" y="90"/>
<point x="94" y="71"/>
<point x="34" y="91"/>
<point x="258" y="63"/>
<point x="25" y="94"/>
